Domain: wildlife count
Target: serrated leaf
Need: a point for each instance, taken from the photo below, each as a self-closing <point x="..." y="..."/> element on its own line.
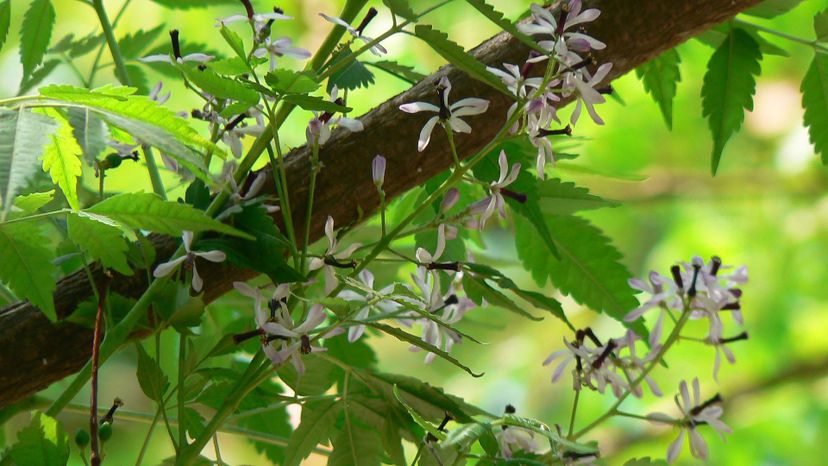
<point x="401" y="8"/>
<point x="27" y="265"/>
<point x="409" y="338"/>
<point x="35" y="33"/>
<point x="193" y="422"/>
<point x="100" y="239"/>
<point x="318" y="418"/>
<point x="134" y="43"/>
<point x="219" y="86"/>
<point x="588" y="270"/>
<point x="563" y="198"/>
<point x="351" y="76"/>
<point x="147" y="211"/>
<point x="309" y="102"/>
<point x="429" y="427"/>
<point x="498" y="18"/>
<point x="355" y="446"/>
<point x="23" y="135"/>
<point x="728" y="88"/>
<point x="660" y="77"/>
<point x="144" y="119"/>
<point x="42" y="443"/>
<point x="234" y="41"/>
<point x="274" y="422"/>
<point x="477" y="290"/>
<point x="319" y="375"/>
<point x="455" y="55"/>
<point x="715" y="36"/>
<point x="61" y="159"/>
<point x="151" y="378"/>
<point x="465" y="435"/>
<point x="38" y="75"/>
<point x="815" y="101"/>
<point x="5" y="20"/>
<point x="30" y="203"/>
<point x="404" y="72"/>
<point x="821" y="26"/>
<point x="772" y="8"/>
<point x="89" y="131"/>
<point x="286" y="81"/>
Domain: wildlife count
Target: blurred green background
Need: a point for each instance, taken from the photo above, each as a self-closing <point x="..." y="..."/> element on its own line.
<point x="766" y="208"/>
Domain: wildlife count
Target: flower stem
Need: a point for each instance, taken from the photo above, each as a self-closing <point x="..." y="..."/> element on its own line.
<point x="783" y="35"/>
<point x="574" y="411"/>
<point x="309" y="208"/>
<point x="95" y="455"/>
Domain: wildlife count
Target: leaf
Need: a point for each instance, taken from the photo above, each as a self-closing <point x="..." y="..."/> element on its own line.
<point x="319" y="104"/>
<point x="31" y="203"/>
<point x="455" y="54"/>
<point x="401" y="8"/>
<point x="715" y="36"/>
<point x="645" y="461"/>
<point x="144" y="119"/>
<point x="409" y="338"/>
<point x="100" y="239"/>
<point x="429" y="427"/>
<point x="89" y="131"/>
<point x="318" y="377"/>
<point x="234" y="41"/>
<point x="42" y="443"/>
<point x="815" y="101"/>
<point x="477" y="290"/>
<point x="498" y="18"/>
<point x="61" y="159"/>
<point x="286" y="81"/>
<point x="351" y="76"/>
<point x="588" y="270"/>
<point x="356" y="446"/>
<point x="772" y="8"/>
<point x="465" y="435"/>
<point x="404" y="72"/>
<point x="660" y="77"/>
<point x="27" y="265"/>
<point x="318" y="418"/>
<point x="728" y="88"/>
<point x="821" y="26"/>
<point x="146" y="211"/>
<point x="38" y="75"/>
<point x="134" y="43"/>
<point x="5" y="20"/>
<point x="153" y="381"/>
<point x="274" y="422"/>
<point x="194" y="422"/>
<point x="22" y="137"/>
<point x="35" y="33"/>
<point x="219" y="86"/>
<point x="563" y="198"/>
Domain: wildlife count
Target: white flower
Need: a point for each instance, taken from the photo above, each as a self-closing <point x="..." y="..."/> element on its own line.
<point x="449" y="114"/>
<point x="176" y="55"/>
<point x="495" y="200"/>
<point x="265" y="312"/>
<point x="294" y="339"/>
<point x="258" y="19"/>
<point x="279" y="48"/>
<point x="511" y="438"/>
<point x="424" y="257"/>
<point x="235" y="130"/>
<point x="545" y="23"/>
<point x="155" y="94"/>
<point x="448" y="311"/>
<point x="584" y="89"/>
<point x="376" y="49"/>
<point x="332" y="257"/>
<point x="319" y="127"/>
<point x="516" y="84"/>
<point x="594" y="365"/>
<point x="190" y="257"/>
<point x="372" y="301"/>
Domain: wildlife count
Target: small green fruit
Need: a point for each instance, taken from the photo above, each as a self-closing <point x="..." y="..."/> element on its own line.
<point x="82" y="438"/>
<point x="105" y="431"/>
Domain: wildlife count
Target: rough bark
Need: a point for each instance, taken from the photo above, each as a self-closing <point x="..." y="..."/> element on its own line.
<point x="35" y="353"/>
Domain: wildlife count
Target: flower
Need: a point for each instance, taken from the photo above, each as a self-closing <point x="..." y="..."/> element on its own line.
<point x="279" y="48"/>
<point x="544" y="23"/>
<point x="189" y="258"/>
<point x="378" y="170"/>
<point x="446" y="311"/>
<point x="448" y="114"/>
<point x="595" y="366"/>
<point x="277" y="302"/>
<point x="376" y="49"/>
<point x="372" y="300"/>
<point x="176" y="47"/>
<point x="333" y="259"/>
<point x="294" y="339"/>
<point x="516" y="83"/>
<point x="695" y="413"/>
<point x="155" y="94"/>
<point x="319" y="127"/>
<point x="235" y="130"/>
<point x="260" y="20"/>
<point x="495" y="201"/>
<point x="424" y="257"/>
<point x="511" y="438"/>
<point x="582" y="84"/>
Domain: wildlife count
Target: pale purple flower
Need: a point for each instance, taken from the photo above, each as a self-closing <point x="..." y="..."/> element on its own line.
<point x="155" y="94"/>
<point x="426" y="258"/>
<point x="449" y="200"/>
<point x="376" y="49"/>
<point x="333" y="257"/>
<point x="279" y="48"/>
<point x="190" y="257"/>
<point x="319" y="127"/>
<point x="513" y="438"/>
<point x="545" y="23"/>
<point x="258" y="19"/>
<point x="495" y="201"/>
<point x="176" y="55"/>
<point x="379" y="301"/>
<point x="235" y="130"/>
<point x="294" y="340"/>
<point x="449" y="309"/>
<point x="448" y="114"/>
<point x="584" y="89"/>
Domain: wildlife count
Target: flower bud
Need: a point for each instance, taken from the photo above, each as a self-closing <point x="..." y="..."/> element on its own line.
<point x="105" y="432"/>
<point x="378" y="170"/>
<point x="449" y="200"/>
<point x="82" y="438"/>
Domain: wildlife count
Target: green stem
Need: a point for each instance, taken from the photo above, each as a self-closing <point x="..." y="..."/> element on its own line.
<point x="574" y="411"/>
<point x="309" y="208"/>
<point x="645" y="418"/>
<point x="28" y="218"/>
<point x="792" y="38"/>
<point x="109" y="35"/>
<point x="182" y="376"/>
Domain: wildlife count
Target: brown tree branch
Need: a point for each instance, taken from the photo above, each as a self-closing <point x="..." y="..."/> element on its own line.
<point x="34" y="352"/>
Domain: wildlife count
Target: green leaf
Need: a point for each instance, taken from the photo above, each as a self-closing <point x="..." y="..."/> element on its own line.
<point x="319" y="375"/>
<point x="31" y="203"/>
<point x="234" y="41"/>
<point x="61" y="159"/>
<point x="772" y="8"/>
<point x="38" y="75"/>
<point x="194" y="422"/>
<point x="286" y="81"/>
<point x="151" y="378"/>
<point x="815" y="100"/>
<point x="147" y="211"/>
<point x="409" y="338"/>
<point x="89" y="131"/>
<point x="477" y="290"/>
<point x="429" y="427"/>
<point x="645" y="461"/>
<point x="543" y="429"/>
<point x="42" y="443"/>
<point x="401" y="8"/>
<point x="351" y="76"/>
<point x="588" y="270"/>
<point x="660" y="77"/>
<point x="27" y="265"/>
<point x="5" y="20"/>
<point x="465" y="435"/>
<point x="404" y="72"/>
<point x="821" y="26"/>
<point x="715" y="36"/>
<point x="728" y="88"/>
<point x="498" y="18"/>
<point x="354" y="445"/>
<point x="318" y="418"/>
<point x="35" y="33"/>
<point x="134" y="43"/>
<point x="274" y="422"/>
<point x="23" y="135"/>
<point x="309" y="102"/>
<point x="142" y="118"/>
<point x="558" y="197"/>
<point x="100" y="239"/>
<point x="219" y="86"/>
<point x="455" y="54"/>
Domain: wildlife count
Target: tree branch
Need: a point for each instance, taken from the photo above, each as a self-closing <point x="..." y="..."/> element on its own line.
<point x="35" y="353"/>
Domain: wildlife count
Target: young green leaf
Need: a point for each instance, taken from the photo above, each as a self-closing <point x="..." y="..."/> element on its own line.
<point x="458" y="57"/>
<point x="234" y="41"/>
<point x="39" y="74"/>
<point x="429" y="427"/>
<point x="660" y="77"/>
<point x="35" y="33"/>
<point x="22" y="137"/>
<point x="815" y="101"/>
<point x="286" y="81"/>
<point x="101" y="239"/>
<point x="715" y="36"/>
<point x="147" y="211"/>
<point x="404" y="72"/>
<point x="61" y="159"/>
<point x="728" y="88"/>
<point x="352" y="75"/>
<point x="543" y="429"/>
<point x="30" y="203"/>
<point x="821" y="26"/>
<point x="772" y="8"/>
<point x="151" y="378"/>
<point x="318" y="418"/>
<point x="219" y="86"/>
<point x="27" y="265"/>
<point x="42" y="443"/>
<point x="309" y="102"/>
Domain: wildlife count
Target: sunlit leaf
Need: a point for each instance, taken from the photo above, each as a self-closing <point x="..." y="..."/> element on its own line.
<point x="61" y="159"/>
<point x="815" y="101"/>
<point x="35" y="33"/>
<point x="42" y="443"/>
<point x="101" y="239"/>
<point x="27" y="264"/>
<point x="660" y="77"/>
<point x="23" y="135"/>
